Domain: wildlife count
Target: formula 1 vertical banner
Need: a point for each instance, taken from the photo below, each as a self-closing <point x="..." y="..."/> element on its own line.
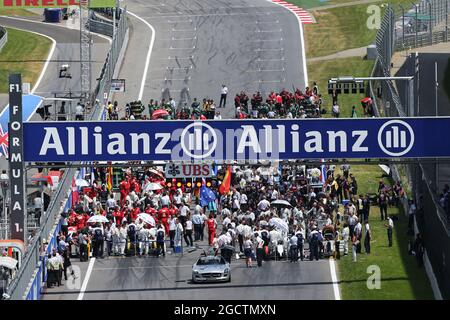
<point x="16" y="164"/>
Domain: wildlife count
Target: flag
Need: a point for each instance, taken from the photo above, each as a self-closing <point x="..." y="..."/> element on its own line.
<point x="323" y="173"/>
<point x="226" y="183"/>
<point x="74" y="193"/>
<point x="206" y="196"/>
<point x="109" y="175"/>
<point x="4" y="143"/>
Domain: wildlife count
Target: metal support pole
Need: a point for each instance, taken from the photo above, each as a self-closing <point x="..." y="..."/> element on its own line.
<point x="411" y="98"/>
<point x="417" y="26"/>
<point x="446" y="21"/>
<point x="430" y="23"/>
<point x="436" y="85"/>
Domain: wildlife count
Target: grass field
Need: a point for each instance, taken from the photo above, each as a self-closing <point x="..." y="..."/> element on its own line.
<point x="340" y="29"/>
<point x="401" y="278"/>
<point x="21" y="46"/>
<point x="16" y="12"/>
<point x="322" y="71"/>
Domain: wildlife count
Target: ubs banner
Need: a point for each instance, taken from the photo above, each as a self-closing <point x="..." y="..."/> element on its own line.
<point x="237" y="139"/>
<point x="16" y="167"/>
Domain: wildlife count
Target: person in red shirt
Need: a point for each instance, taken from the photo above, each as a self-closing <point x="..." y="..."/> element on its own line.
<point x="80" y="221"/>
<point x="72" y="218"/>
<point x="150" y="210"/>
<point x="134" y="212"/>
<point x="118" y="214"/>
<point x="212" y="225"/>
<point x="124" y="188"/>
<point x="163" y="217"/>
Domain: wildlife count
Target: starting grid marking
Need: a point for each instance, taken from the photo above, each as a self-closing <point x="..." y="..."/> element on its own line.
<point x="305" y="16"/>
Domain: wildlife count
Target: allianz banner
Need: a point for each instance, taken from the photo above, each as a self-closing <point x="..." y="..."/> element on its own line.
<point x="10" y="4"/>
<point x="237" y="139"/>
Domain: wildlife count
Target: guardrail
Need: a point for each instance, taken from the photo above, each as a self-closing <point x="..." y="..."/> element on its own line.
<point x="27" y="283"/>
<point x="3" y="37"/>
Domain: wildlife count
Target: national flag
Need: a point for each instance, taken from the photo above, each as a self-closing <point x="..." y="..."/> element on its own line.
<point x="206" y="196"/>
<point x="323" y="172"/>
<point x="4" y="143"/>
<point x="226" y="183"/>
<point x="109" y="175"/>
<point x="74" y="193"/>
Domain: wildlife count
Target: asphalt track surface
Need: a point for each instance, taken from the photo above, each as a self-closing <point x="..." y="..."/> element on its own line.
<point x="199" y="45"/>
<point x="428" y="99"/>
<point x="66" y="51"/>
<point x="151" y="278"/>
<point x="247" y="45"/>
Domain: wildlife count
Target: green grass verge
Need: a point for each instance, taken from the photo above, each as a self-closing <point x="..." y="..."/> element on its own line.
<point x="401" y="278"/>
<point x="322" y="71"/>
<point x="16" y="12"/>
<point x="21" y="46"/>
<point x="343" y="28"/>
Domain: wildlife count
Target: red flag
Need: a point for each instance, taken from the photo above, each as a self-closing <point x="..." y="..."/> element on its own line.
<point x="226" y="183"/>
<point x="74" y="193"/>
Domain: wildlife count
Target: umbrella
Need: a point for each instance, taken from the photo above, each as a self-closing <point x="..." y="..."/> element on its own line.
<point x="81" y="183"/>
<point x="159" y="113"/>
<point x="152" y="186"/>
<point x="8" y="262"/>
<point x="147" y="218"/>
<point x="279" y="224"/>
<point x="365" y="100"/>
<point x="280" y="203"/>
<point x="156" y="173"/>
<point x="97" y="218"/>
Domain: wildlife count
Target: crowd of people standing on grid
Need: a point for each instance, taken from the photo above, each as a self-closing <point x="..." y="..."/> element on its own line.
<point x="282" y="104"/>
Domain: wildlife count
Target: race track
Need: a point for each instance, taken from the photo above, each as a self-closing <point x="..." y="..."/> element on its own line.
<point x="199" y="45"/>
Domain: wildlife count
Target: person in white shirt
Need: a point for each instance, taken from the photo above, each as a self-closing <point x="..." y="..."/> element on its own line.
<point x="390" y="228"/>
<point x="188" y="232"/>
<point x="173" y="104"/>
<point x="243" y="201"/>
<point x="183" y="211"/>
<point x="223" y="96"/>
<point x="367" y="237"/>
<point x="197" y="221"/>
<point x="144" y="240"/>
<point x="177" y="198"/>
<point x="345" y="237"/>
<point x="165" y="200"/>
<point x="172" y="228"/>
<point x="336" y="110"/>
<point x="226" y="221"/>
<point x="217" y="116"/>
<point x="179" y="230"/>
<point x="259" y="250"/>
<point x="4" y="175"/>
<point x="79" y="112"/>
<point x="358" y="233"/>
<point x="263" y="205"/>
<point x="111" y="203"/>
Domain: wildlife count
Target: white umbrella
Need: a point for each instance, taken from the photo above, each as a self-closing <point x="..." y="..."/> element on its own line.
<point x="151" y="186"/>
<point x="8" y="262"/>
<point x="97" y="218"/>
<point x="81" y="183"/>
<point x="280" y="203"/>
<point x="279" y="224"/>
<point x="147" y="218"/>
<point x="156" y="172"/>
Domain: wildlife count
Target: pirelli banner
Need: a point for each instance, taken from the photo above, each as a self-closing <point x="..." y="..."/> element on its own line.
<point x="218" y="140"/>
<point x="11" y="4"/>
